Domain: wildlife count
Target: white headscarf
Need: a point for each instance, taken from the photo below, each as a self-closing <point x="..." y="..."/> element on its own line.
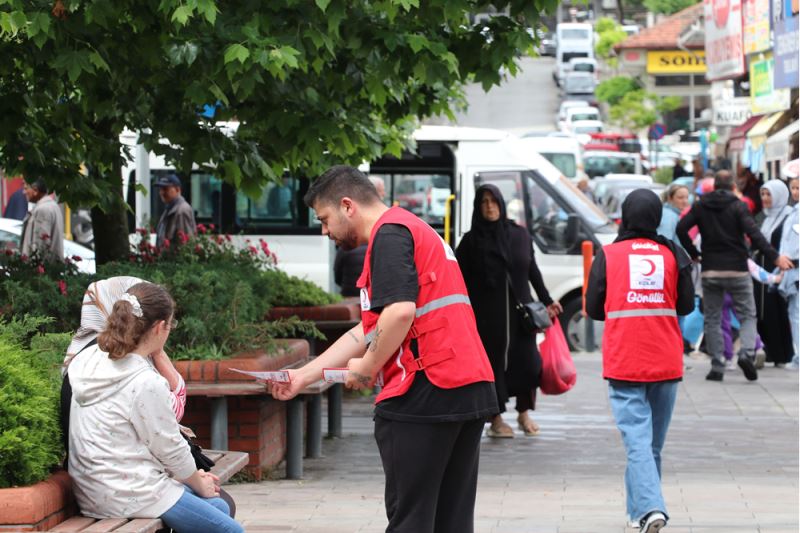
<point x="780" y="207"/>
<point x="98" y="301"/>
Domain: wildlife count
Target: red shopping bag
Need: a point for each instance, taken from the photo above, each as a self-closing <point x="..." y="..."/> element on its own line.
<point x="558" y="370"/>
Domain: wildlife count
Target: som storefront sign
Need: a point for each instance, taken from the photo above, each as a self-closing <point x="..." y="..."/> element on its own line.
<point x="676" y="62"/>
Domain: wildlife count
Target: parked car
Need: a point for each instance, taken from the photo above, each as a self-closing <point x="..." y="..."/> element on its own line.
<point x="582" y="129"/>
<point x="577" y="85"/>
<point x="583" y="64"/>
<point x="11" y="233"/>
<point x="601" y="163"/>
<point x="575" y="114"/>
<point x="611" y="191"/>
<point x="547" y="45"/>
<point x="562" y="110"/>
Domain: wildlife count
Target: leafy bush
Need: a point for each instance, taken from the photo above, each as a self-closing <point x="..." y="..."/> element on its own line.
<point x="663" y="175"/>
<point x="32" y="286"/>
<point x="30" y="442"/>
<point x="614" y="89"/>
<point x="222" y="293"/>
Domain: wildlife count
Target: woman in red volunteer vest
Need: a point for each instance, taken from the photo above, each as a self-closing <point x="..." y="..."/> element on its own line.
<point x="419" y="331"/>
<point x="639" y="285"/>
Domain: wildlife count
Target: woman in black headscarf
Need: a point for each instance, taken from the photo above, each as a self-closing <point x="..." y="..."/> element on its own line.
<point x="496" y="259"/>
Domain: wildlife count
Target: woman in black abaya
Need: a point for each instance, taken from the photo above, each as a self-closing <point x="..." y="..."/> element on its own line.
<point x="496" y="259"/>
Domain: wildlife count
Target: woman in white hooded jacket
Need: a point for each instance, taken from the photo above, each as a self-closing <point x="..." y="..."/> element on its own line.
<point x="127" y="456"/>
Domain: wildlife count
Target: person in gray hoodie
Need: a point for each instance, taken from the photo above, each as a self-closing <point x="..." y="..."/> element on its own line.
<point x="127" y="456"/>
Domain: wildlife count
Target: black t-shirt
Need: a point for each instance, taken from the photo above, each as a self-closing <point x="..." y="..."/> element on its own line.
<point x="395" y="279"/>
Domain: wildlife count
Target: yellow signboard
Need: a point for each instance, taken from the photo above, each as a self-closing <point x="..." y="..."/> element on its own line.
<point x="676" y="62"/>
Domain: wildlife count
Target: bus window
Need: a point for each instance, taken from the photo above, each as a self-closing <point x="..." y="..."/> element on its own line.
<point x="276" y="207"/>
<point x="206" y="198"/>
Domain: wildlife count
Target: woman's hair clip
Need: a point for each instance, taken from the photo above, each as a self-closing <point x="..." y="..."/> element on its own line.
<point x="134" y="301"/>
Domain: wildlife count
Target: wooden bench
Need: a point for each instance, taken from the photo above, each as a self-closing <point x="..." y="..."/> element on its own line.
<point x="310" y="397"/>
<point x="227" y="464"/>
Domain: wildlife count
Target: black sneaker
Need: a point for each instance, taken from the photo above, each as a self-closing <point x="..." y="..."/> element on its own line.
<point x="748" y="368"/>
<point x="653" y="523"/>
<point x="714" y="376"/>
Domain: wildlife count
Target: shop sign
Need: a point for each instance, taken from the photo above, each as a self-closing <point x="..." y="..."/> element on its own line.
<point x="676" y="62"/>
<point x="731" y="112"/>
<point x="764" y="97"/>
<point x="724" y="53"/>
<point x="756" y="25"/>
<point x="787" y="52"/>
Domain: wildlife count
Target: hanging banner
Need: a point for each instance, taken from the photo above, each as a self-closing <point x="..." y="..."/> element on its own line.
<point x="764" y="98"/>
<point x="756" y="25"/>
<point x="731" y="112"/>
<point x="786" y="51"/>
<point x="724" y="54"/>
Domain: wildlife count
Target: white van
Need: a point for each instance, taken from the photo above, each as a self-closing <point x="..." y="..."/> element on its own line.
<point x="565" y="153"/>
<point x="572" y="40"/>
<point x="447" y="166"/>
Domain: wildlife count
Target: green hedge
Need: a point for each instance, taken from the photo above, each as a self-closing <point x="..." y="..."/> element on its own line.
<point x="30" y="436"/>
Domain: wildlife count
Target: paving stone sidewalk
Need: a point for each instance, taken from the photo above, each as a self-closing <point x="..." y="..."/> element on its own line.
<point x="730" y="464"/>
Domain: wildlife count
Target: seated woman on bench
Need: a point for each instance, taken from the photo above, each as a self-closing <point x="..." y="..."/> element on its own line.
<point x="127" y="456"/>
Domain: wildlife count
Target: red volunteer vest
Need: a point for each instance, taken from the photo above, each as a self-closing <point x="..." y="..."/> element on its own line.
<point x="642" y="340"/>
<point x="450" y="351"/>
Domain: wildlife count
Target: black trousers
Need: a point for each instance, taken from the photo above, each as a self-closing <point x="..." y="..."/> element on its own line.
<point x="431" y="474"/>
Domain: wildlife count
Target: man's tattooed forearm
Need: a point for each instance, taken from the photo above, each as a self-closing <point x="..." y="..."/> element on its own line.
<point x="362" y="379"/>
<point x="373" y="346"/>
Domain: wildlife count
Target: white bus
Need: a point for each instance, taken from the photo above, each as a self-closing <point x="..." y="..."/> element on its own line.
<point x="438" y="183"/>
<point x="573" y="40"/>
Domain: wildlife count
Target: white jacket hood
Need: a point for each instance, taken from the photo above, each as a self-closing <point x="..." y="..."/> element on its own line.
<point x="95" y="377"/>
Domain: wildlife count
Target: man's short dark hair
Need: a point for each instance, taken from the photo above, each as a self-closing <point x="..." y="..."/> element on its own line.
<point x="39" y="185"/>
<point x="338" y="182"/>
<point x="723" y="181"/>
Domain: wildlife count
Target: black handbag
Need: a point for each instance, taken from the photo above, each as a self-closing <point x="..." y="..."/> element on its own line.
<point x="533" y="315"/>
<point x="200" y="459"/>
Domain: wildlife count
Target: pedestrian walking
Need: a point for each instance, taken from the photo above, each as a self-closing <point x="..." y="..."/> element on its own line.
<point x="178" y="216"/>
<point x="17" y="206"/>
<point x="497" y="261"/>
<point x="676" y="200"/>
<point x="788" y="286"/>
<point x="43" y="226"/>
<point x="724" y="221"/>
<point x="638" y="285"/>
<point x="771" y="309"/>
<point x="417" y="329"/>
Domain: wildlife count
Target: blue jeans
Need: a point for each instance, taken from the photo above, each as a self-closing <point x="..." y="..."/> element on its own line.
<point x="200" y="515"/>
<point x="642" y="413"/>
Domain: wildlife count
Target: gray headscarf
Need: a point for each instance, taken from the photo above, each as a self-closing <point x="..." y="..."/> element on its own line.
<point x="780" y="207"/>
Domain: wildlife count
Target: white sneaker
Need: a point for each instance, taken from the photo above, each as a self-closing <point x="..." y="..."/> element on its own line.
<point x="730" y="365"/>
<point x="653" y="523"/>
<point x="633" y="524"/>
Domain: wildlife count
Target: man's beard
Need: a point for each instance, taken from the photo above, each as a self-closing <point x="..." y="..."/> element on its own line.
<point x="349" y="241"/>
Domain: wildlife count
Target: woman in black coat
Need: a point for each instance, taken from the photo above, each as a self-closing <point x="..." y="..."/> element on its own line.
<point x="493" y="252"/>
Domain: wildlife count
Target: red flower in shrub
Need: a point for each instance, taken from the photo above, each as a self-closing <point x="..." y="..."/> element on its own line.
<point x="23" y="258"/>
<point x="228" y="238"/>
<point x="77" y="258"/>
<point x="201" y="229"/>
<point x="252" y="249"/>
<point x="212" y="227"/>
<point x="198" y="249"/>
<point x="45" y="237"/>
<point x="62" y="286"/>
<point x="166" y="243"/>
<point x="182" y="237"/>
<point x="40" y="269"/>
<point x="9" y="252"/>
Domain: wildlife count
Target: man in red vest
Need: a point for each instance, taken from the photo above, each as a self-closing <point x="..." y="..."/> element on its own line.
<point x="419" y="331"/>
<point x="639" y="285"/>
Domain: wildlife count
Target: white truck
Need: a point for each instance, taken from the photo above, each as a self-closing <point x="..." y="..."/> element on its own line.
<point x="437" y="182"/>
<point x="573" y="40"/>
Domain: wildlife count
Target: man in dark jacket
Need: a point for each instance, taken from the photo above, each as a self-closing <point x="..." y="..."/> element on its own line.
<point x="724" y="221"/>
<point x="178" y="216"/>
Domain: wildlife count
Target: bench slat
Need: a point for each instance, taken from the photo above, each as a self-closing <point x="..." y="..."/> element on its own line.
<point x="141" y="525"/>
<point x="103" y="526"/>
<point x="229" y="464"/>
<point x="77" y="523"/>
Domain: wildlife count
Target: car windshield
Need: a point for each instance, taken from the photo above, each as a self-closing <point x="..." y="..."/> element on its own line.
<point x="581" y="204"/>
<point x="584" y="116"/>
<point x="563" y="162"/>
<point x="602" y="165"/>
<point x="588" y="129"/>
<point x="583" y="67"/>
<point x="574" y="34"/>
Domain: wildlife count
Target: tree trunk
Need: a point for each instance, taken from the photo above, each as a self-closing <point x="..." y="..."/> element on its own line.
<point x="111" y="225"/>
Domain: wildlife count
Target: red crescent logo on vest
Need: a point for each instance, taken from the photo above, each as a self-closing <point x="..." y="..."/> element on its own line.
<point x="652" y="267"/>
<point x="721" y="9"/>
